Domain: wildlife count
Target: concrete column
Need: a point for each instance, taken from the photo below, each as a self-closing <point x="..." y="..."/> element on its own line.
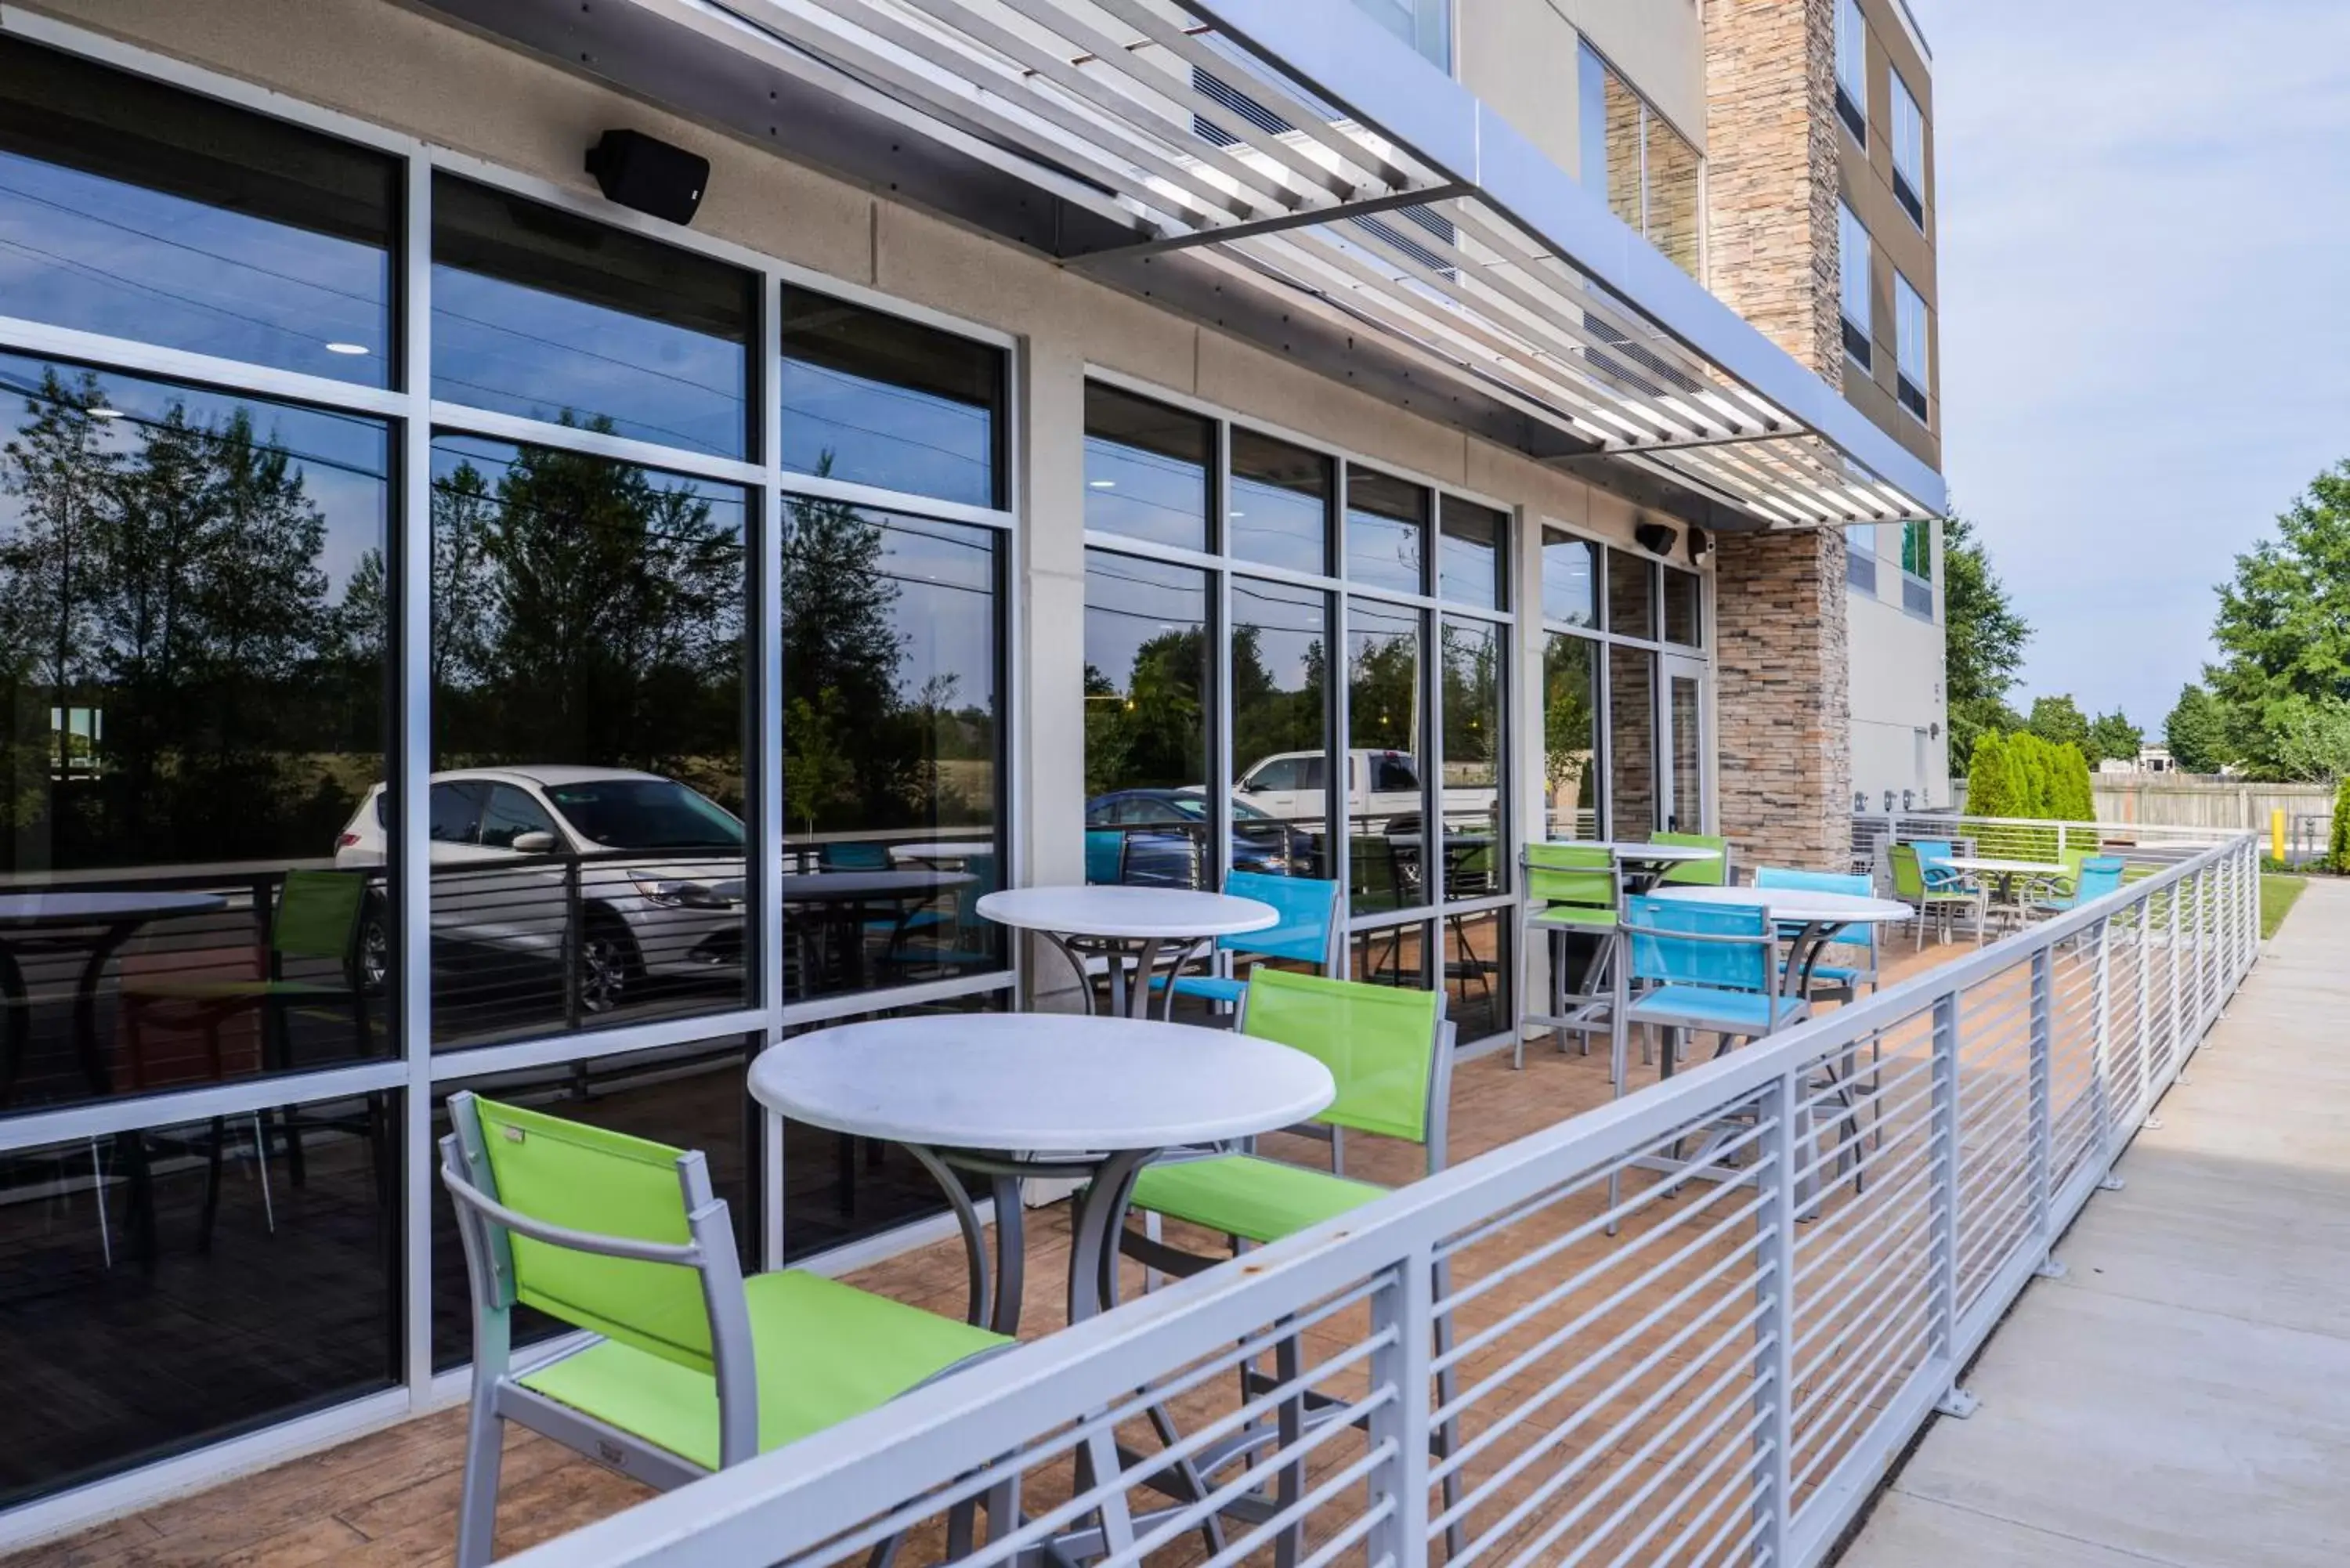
<point x="1048" y="734"/>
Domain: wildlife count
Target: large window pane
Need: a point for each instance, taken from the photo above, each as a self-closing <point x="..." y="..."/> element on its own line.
<point x="1632" y="744"/>
<point x="879" y="399"/>
<point x="1281" y="728"/>
<point x="1478" y="971"/>
<point x="1279" y="510"/>
<point x="175" y="1286"/>
<point x="1386" y="532"/>
<point x="1146" y="469"/>
<point x="1385" y="794"/>
<point x="545" y="314"/>
<point x="1571" y="774"/>
<point x="1673" y="195"/>
<point x="1472" y="553"/>
<point x="1391" y="955"/>
<point x="192" y="623"/>
<point x="1474" y="756"/>
<point x="893" y="777"/>
<point x="689" y="1097"/>
<point x="1149" y="701"/>
<point x="1684" y="608"/>
<point x="1631" y="594"/>
<point x="588" y="724"/>
<point x="129" y="208"/>
<point x="1570" y="577"/>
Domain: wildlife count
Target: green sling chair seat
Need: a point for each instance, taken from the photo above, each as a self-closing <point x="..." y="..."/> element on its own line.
<point x="692" y="1367"/>
<point x="1714" y="873"/>
<point x="1933" y="890"/>
<point x="1570" y="888"/>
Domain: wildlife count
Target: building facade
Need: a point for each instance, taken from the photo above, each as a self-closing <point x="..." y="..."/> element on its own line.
<point x="466" y="631"/>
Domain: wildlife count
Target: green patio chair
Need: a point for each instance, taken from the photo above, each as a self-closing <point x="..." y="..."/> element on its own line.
<point x="1939" y="894"/>
<point x="1571" y="889"/>
<point x="1391" y="1051"/>
<point x="1714" y="873"/>
<point x="688" y="1366"/>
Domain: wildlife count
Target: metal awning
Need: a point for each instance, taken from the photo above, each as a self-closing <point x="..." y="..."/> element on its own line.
<point x="1288" y="169"/>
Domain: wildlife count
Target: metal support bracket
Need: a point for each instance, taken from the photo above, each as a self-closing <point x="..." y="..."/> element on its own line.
<point x="2151" y="1124"/>
<point x="2050" y="1269"/>
<point x="2112" y="1184"/>
<point x="1957" y="1404"/>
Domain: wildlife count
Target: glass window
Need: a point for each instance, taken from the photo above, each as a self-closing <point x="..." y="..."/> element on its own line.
<point x="192" y="611"/>
<point x="1474" y="758"/>
<point x="1279" y="509"/>
<point x="1387" y="531"/>
<point x="893" y="724"/>
<point x="1684" y="608"/>
<point x="1591" y="117"/>
<point x="877" y="400"/>
<point x="1571" y="775"/>
<point x="1472" y="553"/>
<point x="1908" y="152"/>
<point x="130" y="208"/>
<point x="1631" y="594"/>
<point x="1909" y="355"/>
<point x="1281" y="728"/>
<point x="1852" y="68"/>
<point x="542" y="312"/>
<point x="1852" y="283"/>
<point x="1425" y="24"/>
<point x="182" y="1284"/>
<point x="1626" y="188"/>
<point x="1146" y="469"/>
<point x="586" y="638"/>
<point x="1917" y="549"/>
<point x="1672" y="215"/>
<point x="1477" y="973"/>
<point x="1391" y="955"/>
<point x="1648" y="172"/>
<point x="1383" y="719"/>
<point x="1150" y="701"/>
<point x="1631" y="743"/>
<point x="1570" y="572"/>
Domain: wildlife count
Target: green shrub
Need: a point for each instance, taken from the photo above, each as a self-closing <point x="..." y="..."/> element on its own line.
<point x="2338" y="847"/>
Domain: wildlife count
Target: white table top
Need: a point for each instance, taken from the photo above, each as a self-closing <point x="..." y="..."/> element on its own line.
<point x="1039" y="1082"/>
<point x="943" y="849"/>
<point x="1796" y="906"/>
<point x="1997" y="866"/>
<point x="91" y="908"/>
<point x="823" y="887"/>
<point x="1128" y="912"/>
<point x="1656" y="854"/>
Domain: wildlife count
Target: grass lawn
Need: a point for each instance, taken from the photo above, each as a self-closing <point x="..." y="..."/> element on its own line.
<point x="2277" y="894"/>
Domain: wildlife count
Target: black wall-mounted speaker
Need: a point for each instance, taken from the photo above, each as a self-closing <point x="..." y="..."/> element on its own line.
<point x="1655" y="538"/>
<point x="636" y="170"/>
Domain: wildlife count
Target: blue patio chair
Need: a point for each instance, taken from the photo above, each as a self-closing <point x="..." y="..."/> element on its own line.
<point x="1307" y="933"/>
<point x="1105" y="856"/>
<point x="1712" y="969"/>
<point x="2099" y="875"/>
<point x="964" y="934"/>
<point x="853" y="858"/>
<point x="1854" y="964"/>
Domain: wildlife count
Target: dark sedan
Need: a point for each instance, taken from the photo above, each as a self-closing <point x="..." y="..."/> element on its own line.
<point x="1159" y="837"/>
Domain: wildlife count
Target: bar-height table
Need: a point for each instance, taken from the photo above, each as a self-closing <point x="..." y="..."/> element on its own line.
<point x="1118" y="924"/>
<point x="99" y="922"/>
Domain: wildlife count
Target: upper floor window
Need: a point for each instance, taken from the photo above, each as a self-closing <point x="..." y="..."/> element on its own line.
<point x="876" y="398"/>
<point x="1908" y="152"/>
<point x="1909" y="345"/>
<point x="1853" y="252"/>
<point x="1649" y="172"/>
<point x="1425" y="24"/>
<point x="1852" y="68"/>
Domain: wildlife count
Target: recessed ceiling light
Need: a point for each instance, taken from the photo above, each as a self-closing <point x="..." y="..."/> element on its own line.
<point x="347" y="348"/>
<point x="1101" y="484"/>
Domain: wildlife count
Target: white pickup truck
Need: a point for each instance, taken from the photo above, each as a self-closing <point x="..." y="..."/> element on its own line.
<point x="1383" y="793"/>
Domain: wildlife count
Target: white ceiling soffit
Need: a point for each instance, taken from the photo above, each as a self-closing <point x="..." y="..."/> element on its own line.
<point x="1357" y="182"/>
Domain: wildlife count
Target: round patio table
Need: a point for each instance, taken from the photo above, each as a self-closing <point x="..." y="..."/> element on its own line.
<point x="950" y="851"/>
<point x="1118" y="924"/>
<point x="2003" y="872"/>
<point x="1816" y="917"/>
<point x="100" y="922"/>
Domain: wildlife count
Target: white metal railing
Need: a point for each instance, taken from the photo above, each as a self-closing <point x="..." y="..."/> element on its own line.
<point x="1725" y="1378"/>
<point x="2021" y="838"/>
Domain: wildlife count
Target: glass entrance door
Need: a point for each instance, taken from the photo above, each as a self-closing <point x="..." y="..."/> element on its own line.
<point x="1684" y="807"/>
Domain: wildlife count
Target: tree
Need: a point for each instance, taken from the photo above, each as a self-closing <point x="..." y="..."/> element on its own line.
<point x="1983" y="640"/>
<point x="2197" y="731"/>
<point x="2060" y="722"/>
<point x="1995" y="785"/>
<point x="2283" y="632"/>
<point x="2113" y="735"/>
<point x="2337" y="848"/>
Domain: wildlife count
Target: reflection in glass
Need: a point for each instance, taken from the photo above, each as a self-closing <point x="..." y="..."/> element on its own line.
<point x="1279" y="510"/>
<point x="1672" y="175"/>
<point x="545" y="314"/>
<point x="1391" y="955"/>
<point x="1631" y="594"/>
<point x="1386" y="532"/>
<point x="1146" y="469"/>
<point x="892" y="747"/>
<point x="193" y="637"/>
<point x="1474" y="757"/>
<point x="1571" y="774"/>
<point x="587" y="727"/>
<point x="1684" y="608"/>
<point x="1472" y="551"/>
<point x="1385" y="790"/>
<point x="1477" y="975"/>
<point x="131" y="208"/>
<point x="1281" y="726"/>
<point x="1149" y="693"/>
<point x="1632" y="744"/>
<point x="1570" y="574"/>
<point x="688" y="1097"/>
<point x="877" y="400"/>
<point x="182" y="1284"/>
<point x="1689" y="789"/>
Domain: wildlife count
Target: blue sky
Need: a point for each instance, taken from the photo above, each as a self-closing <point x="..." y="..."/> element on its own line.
<point x="2145" y="233"/>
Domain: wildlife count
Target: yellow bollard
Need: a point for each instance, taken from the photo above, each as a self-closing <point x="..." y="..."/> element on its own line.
<point x="2276" y="836"/>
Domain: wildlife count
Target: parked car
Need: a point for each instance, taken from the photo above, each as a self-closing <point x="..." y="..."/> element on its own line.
<point x="1166" y="832"/>
<point x="650" y="870"/>
<point x="1383" y="791"/>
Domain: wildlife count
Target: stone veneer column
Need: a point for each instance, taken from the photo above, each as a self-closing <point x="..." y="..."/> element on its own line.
<point x="1783" y="693"/>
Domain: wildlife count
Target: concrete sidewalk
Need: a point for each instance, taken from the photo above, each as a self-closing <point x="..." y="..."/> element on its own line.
<point x="2182" y="1398"/>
